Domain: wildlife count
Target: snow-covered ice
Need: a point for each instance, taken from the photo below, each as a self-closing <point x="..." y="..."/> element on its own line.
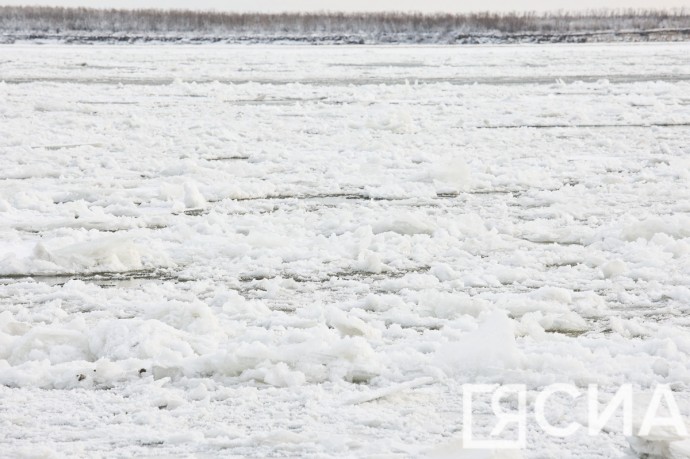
<point x="298" y="251"/>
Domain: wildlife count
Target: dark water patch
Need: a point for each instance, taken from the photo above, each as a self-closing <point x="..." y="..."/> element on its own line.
<point x="228" y="158"/>
<point x="417" y="327"/>
<point x="336" y="275"/>
<point x="103" y="278"/>
<point x="551" y="241"/>
<point x="457" y="194"/>
<point x="570" y="333"/>
<point x="65" y="147"/>
<point x="195" y="212"/>
<point x="570" y="264"/>
<point x="304" y="197"/>
<point x="158" y="226"/>
<point x="75" y="224"/>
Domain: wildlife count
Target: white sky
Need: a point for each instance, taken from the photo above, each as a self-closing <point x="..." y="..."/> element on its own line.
<point x="363" y="5"/>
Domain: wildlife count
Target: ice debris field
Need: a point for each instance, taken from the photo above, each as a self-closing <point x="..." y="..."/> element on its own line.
<point x="258" y="251"/>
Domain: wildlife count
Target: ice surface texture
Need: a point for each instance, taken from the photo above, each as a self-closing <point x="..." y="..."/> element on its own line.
<point x="307" y="251"/>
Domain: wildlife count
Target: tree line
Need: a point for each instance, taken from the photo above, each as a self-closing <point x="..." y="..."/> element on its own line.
<point x="61" y="20"/>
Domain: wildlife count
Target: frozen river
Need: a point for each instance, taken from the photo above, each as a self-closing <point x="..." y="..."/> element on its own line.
<point x="307" y="251"/>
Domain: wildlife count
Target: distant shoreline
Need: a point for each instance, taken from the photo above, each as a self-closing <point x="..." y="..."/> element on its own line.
<point x="664" y="35"/>
<point x="89" y="25"/>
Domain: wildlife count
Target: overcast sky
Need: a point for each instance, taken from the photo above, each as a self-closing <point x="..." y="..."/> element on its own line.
<point x="363" y="5"/>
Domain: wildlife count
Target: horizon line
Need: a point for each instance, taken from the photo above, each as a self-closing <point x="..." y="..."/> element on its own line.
<point x="555" y="12"/>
